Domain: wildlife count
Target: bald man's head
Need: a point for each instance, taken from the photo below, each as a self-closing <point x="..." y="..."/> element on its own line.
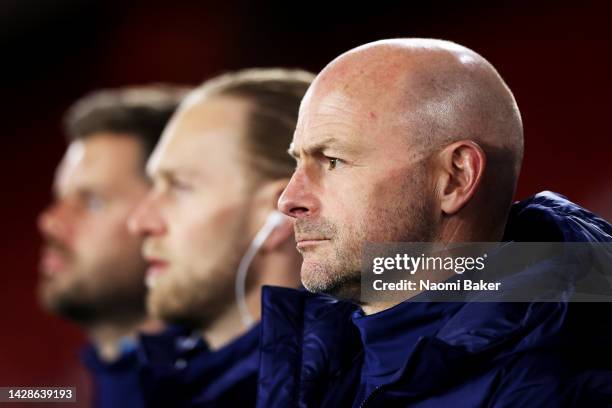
<point x="401" y="140"/>
<point x="437" y="90"/>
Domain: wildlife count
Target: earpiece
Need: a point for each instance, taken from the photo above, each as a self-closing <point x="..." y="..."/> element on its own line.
<point x="273" y="221"/>
<point x="275" y="218"/>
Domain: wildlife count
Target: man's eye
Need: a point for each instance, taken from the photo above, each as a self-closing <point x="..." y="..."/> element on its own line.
<point x="179" y="185"/>
<point x="332" y="163"/>
<point x="94" y="202"/>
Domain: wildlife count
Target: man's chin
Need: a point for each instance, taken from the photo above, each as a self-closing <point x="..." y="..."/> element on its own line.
<point x="171" y="314"/>
<point x="165" y="307"/>
<point x="319" y="279"/>
<point x="68" y="306"/>
<point x="52" y="293"/>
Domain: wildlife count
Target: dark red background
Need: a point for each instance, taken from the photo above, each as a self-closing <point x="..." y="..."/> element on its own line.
<point x="557" y="58"/>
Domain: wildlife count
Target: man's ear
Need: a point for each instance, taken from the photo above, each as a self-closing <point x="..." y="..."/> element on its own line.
<point x="462" y="168"/>
<point x="283" y="231"/>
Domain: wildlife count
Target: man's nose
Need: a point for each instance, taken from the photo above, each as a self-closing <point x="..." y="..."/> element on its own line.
<point x="53" y="221"/>
<point x="145" y="219"/>
<point x="298" y="199"/>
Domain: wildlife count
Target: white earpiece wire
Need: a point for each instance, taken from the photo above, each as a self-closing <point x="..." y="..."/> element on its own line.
<point x="275" y="218"/>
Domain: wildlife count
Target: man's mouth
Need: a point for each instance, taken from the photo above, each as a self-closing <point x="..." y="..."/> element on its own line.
<point x="52" y="261"/>
<point x="156" y="267"/>
<point x="309" y="242"/>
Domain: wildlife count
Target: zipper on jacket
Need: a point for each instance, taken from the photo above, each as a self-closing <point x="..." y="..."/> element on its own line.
<point x="372" y="394"/>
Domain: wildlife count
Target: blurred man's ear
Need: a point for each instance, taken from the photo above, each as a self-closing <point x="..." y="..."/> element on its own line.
<point x="282" y="233"/>
<point x="462" y="166"/>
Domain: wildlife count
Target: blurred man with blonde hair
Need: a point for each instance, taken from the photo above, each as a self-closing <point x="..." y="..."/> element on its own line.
<point x="213" y="237"/>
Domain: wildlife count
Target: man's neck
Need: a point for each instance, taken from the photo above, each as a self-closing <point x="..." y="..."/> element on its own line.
<point x="275" y="268"/>
<point x="224" y="329"/>
<point x="107" y="336"/>
<point x="471" y="226"/>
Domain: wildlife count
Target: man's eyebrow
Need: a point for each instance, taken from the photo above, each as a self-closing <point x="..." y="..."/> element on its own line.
<point x="173" y="173"/>
<point x="315" y="147"/>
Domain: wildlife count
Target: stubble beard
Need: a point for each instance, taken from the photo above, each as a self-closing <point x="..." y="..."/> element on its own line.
<point x="196" y="298"/>
<point x="408" y="219"/>
<point x="93" y="303"/>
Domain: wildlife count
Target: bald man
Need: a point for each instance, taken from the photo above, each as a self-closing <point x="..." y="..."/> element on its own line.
<point x="415" y="140"/>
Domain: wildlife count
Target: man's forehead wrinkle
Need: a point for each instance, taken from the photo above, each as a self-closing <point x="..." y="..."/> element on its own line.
<point x="333" y="118"/>
<point x="335" y="100"/>
<point x="333" y="126"/>
<point x="352" y="109"/>
<point x="329" y="110"/>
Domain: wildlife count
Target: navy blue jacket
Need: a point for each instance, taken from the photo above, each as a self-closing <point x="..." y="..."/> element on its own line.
<point x="178" y="370"/>
<point x="116" y="384"/>
<point x="320" y="352"/>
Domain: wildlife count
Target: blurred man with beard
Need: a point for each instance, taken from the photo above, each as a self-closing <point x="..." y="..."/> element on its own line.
<point x="211" y="217"/>
<point x="92" y="272"/>
<point x="419" y="140"/>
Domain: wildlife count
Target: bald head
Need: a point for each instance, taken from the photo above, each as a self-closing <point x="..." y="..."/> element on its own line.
<point x="406" y="140"/>
<point x="438" y="91"/>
